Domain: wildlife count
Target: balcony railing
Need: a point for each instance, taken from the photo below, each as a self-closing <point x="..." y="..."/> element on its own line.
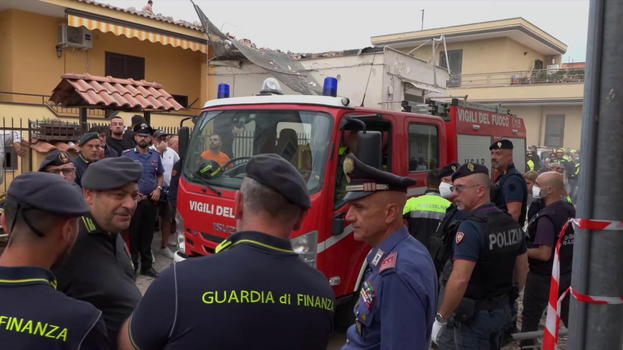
<point x="533" y="77"/>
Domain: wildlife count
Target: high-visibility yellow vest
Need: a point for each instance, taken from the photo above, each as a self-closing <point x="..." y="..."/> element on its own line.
<point x="428" y="206"/>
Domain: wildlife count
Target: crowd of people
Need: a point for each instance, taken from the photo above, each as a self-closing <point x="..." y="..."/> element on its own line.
<point x="565" y="161"/>
<point x="492" y="238"/>
<point x="445" y="269"/>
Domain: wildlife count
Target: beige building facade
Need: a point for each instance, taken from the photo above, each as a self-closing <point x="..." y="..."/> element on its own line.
<point x="508" y="62"/>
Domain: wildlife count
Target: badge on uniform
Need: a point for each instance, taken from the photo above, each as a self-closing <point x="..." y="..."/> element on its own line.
<point x="459" y="237"/>
<point x="389" y="262"/>
<point x="367" y="294"/>
<point x="377" y="257"/>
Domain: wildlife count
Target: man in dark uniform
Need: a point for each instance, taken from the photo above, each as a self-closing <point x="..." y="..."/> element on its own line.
<point x="510" y="191"/>
<point x="90" y="147"/>
<point x="150" y="184"/>
<point x="489" y="250"/>
<point x="41" y="214"/>
<point x="543" y="233"/>
<point x="58" y="162"/>
<point x="255" y="293"/>
<point x="398" y="298"/>
<point x="102" y="132"/>
<point x="99" y="269"/>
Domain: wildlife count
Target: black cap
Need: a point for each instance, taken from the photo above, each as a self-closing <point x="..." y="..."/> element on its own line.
<point x="48" y="192"/>
<point x="501" y="144"/>
<point x="365" y="180"/>
<point x="88" y="137"/>
<point x="470" y="169"/>
<point x="274" y="171"/>
<point x="143" y="129"/>
<point x="449" y="169"/>
<point x="55" y="158"/>
<point x="160" y="133"/>
<point x="111" y="173"/>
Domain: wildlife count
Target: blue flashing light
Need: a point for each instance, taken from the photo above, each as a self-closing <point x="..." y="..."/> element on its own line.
<point x="330" y="87"/>
<point x="223" y="90"/>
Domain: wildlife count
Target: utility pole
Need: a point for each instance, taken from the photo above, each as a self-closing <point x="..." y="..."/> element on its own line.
<point x="596" y="262"/>
<point x="422" y="10"/>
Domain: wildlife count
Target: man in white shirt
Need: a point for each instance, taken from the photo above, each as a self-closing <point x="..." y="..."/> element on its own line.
<point x="165" y="211"/>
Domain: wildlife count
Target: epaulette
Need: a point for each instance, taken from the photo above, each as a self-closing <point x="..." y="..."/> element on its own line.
<point x="126" y="150"/>
<point x="389" y="262"/>
<point x="88" y="223"/>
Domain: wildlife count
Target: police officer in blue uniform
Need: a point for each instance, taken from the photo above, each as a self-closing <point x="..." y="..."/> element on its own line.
<point x="99" y="269"/>
<point x="255" y="293"/>
<point x="150" y="187"/>
<point x="41" y="214"/>
<point x="398" y="296"/>
<point x="510" y="191"/>
<point x="489" y="249"/>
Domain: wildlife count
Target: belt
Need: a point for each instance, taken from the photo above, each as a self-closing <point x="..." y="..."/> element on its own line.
<point x="492" y="303"/>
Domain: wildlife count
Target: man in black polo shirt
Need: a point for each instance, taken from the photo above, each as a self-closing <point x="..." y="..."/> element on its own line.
<point x="41" y="214"/>
<point x="99" y="269"/>
<point x="255" y="293"/>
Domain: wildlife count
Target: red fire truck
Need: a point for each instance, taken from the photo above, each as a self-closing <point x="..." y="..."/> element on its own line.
<point x="314" y="133"/>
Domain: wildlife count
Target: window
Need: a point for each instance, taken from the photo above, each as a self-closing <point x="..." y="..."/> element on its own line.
<point x="554" y="130"/>
<point x="125" y="66"/>
<point x="456" y="66"/>
<point x="423" y="147"/>
<point x="181" y="99"/>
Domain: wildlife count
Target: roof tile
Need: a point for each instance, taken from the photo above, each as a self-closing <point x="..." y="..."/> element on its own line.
<point x="87" y="89"/>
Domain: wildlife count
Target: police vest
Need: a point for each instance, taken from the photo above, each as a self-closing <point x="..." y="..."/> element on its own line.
<point x="502" y="240"/>
<point x="497" y="195"/>
<point x="558" y="213"/>
<point x="442" y="238"/>
<point x="423" y="214"/>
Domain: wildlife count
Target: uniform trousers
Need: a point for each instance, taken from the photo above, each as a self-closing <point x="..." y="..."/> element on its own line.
<point x="484" y="331"/>
<point x="536" y="296"/>
<point x="142" y="233"/>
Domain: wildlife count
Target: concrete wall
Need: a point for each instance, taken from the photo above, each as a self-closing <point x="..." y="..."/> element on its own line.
<point x="387" y="73"/>
<point x="534" y="117"/>
<point x="489" y="55"/>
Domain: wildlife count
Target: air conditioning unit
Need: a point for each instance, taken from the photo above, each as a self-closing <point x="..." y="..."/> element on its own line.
<point x="80" y="37"/>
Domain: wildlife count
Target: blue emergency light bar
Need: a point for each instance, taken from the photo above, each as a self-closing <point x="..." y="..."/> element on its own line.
<point x="330" y="87"/>
<point x="223" y="90"/>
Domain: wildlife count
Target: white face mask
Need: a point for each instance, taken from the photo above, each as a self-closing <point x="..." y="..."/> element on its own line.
<point x="536" y="191"/>
<point x="445" y="190"/>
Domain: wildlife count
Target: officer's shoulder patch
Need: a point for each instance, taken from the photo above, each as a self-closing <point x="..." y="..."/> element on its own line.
<point x="459" y="237"/>
<point x="389" y="262"/>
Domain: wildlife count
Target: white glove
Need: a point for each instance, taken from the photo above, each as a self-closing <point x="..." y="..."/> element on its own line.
<point x="438" y="327"/>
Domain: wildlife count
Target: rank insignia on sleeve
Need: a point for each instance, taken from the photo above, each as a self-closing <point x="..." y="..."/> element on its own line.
<point x="389" y="262"/>
<point x="459" y="237"/>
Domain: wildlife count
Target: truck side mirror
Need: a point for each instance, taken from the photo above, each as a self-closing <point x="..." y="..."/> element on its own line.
<point x="184" y="139"/>
<point x="369" y="149"/>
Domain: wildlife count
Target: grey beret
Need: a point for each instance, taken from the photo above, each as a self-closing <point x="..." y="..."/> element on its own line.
<point x="48" y="192"/>
<point x="274" y="171"/>
<point x="88" y="137"/>
<point x="111" y="173"/>
<point x="55" y="158"/>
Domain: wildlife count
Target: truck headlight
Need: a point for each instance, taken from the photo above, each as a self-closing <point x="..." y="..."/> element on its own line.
<point x="306" y="246"/>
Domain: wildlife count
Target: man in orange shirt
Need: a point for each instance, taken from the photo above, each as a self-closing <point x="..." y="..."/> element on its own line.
<point x="214" y="152"/>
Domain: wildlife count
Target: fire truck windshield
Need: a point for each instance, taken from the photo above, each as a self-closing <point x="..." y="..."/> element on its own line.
<point x="223" y="141"/>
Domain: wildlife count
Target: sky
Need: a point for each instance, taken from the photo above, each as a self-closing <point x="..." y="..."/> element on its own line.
<point x="327" y="25"/>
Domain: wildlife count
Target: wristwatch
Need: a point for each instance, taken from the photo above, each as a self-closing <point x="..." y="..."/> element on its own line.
<point x="159" y="187"/>
<point x="439" y="318"/>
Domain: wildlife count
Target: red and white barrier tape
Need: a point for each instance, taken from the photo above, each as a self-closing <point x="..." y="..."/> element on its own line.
<point x="552" y="322"/>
